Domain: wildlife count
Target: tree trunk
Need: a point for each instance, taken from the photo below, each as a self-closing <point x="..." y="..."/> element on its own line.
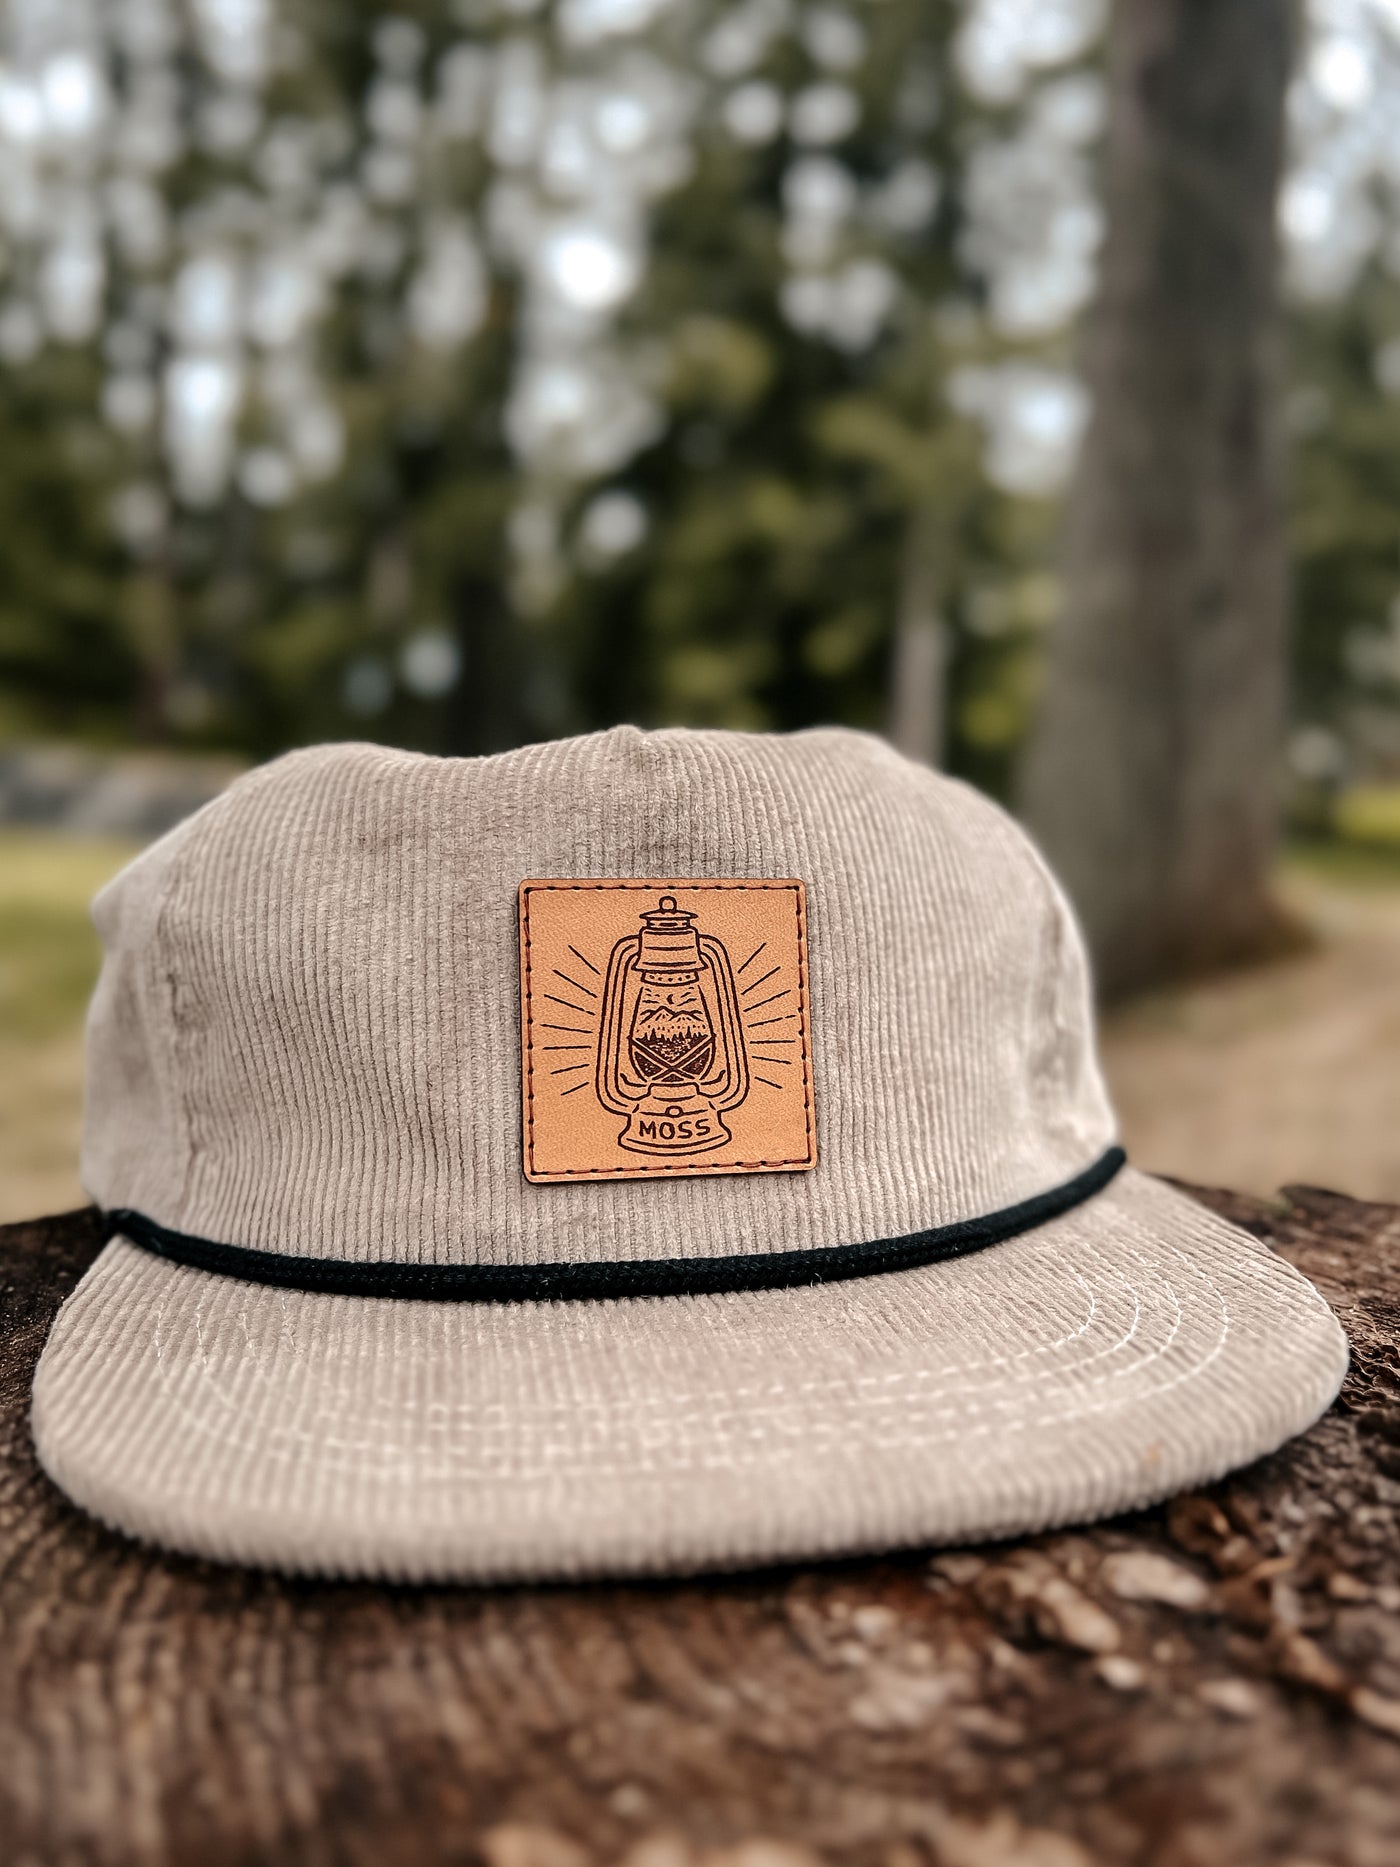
<point x="1212" y="1683"/>
<point x="918" y="666"/>
<point x="1152" y="775"/>
<point x="488" y="709"/>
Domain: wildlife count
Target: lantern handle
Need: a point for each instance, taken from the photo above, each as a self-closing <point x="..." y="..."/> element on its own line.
<point x="611" y="1034"/>
<point x="731" y="1024"/>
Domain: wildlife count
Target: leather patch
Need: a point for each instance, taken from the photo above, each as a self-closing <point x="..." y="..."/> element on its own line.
<point x="665" y="1029"/>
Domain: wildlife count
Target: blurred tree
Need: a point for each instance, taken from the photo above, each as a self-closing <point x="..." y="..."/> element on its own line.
<point x="477" y="373"/>
<point x="814" y="532"/>
<point x="1153" y="772"/>
<point x="1344" y="418"/>
<point x="460" y="373"/>
<point x="70" y="638"/>
<point x="808" y="449"/>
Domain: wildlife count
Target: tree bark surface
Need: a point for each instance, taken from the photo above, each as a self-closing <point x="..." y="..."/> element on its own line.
<point x="1152" y="773"/>
<point x="1214" y="1681"/>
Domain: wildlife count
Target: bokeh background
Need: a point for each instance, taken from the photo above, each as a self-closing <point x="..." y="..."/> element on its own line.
<point x="462" y="374"/>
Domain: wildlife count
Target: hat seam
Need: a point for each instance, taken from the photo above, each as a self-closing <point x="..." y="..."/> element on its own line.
<point x="163" y="959"/>
<point x="987" y="1419"/>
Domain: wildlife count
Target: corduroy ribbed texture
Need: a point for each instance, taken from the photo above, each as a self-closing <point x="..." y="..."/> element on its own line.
<point x="306" y="1040"/>
<point x="311" y="1000"/>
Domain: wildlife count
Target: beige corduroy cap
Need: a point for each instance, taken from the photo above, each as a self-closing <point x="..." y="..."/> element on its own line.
<point x="644" y="1152"/>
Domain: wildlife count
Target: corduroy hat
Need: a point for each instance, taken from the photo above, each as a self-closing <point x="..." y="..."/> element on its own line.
<point x="639" y="1153"/>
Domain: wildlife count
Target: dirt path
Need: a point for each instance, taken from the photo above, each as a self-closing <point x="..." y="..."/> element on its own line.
<point x="1290" y="1073"/>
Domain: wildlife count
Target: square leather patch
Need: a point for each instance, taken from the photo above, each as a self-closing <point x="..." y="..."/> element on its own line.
<point x="665" y="1028"/>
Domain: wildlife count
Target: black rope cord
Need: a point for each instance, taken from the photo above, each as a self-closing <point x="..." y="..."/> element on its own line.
<point x="629" y="1277"/>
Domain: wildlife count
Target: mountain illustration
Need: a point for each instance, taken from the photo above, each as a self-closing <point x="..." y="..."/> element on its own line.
<point x="665" y="1038"/>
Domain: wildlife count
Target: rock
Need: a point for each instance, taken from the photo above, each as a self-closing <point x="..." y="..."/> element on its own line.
<point x="1344" y="1587"/>
<point x="1005" y="1842"/>
<point x="958" y="1566"/>
<point x="1381" y="1713"/>
<point x="899" y="1702"/>
<point x="663" y="1849"/>
<point x="1029" y="1589"/>
<point x="1062" y="1613"/>
<point x="629" y="1800"/>
<point x="990" y="1727"/>
<point x="517" y="1844"/>
<point x="1237" y="1698"/>
<point x="1302" y="1659"/>
<point x="1118" y="1671"/>
<point x="873" y="1622"/>
<point x="1140" y="1575"/>
<point x="1197" y="1524"/>
<point x="762" y="1852"/>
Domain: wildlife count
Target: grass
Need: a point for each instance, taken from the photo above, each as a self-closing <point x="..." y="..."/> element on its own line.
<point x="48" y="949"/>
<point x="1361" y="846"/>
<point x="1350" y="864"/>
<point x="48" y="961"/>
<point x="1370" y="814"/>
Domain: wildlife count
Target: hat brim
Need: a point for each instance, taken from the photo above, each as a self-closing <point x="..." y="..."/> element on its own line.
<point x="1128" y="1349"/>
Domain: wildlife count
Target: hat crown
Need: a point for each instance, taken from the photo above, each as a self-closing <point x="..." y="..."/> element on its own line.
<point x="306" y="1036"/>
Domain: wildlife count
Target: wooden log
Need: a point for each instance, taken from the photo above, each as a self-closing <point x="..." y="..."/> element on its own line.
<point x="1215" y="1681"/>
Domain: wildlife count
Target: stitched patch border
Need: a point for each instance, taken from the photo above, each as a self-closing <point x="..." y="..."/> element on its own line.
<point x="641" y="1054"/>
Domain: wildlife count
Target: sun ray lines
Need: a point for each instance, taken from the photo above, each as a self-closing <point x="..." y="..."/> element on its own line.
<point x="582" y="1010"/>
<point x="761" y="980"/>
<point x="577" y="984"/>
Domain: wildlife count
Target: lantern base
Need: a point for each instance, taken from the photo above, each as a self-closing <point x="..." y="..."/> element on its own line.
<point x="674" y="1125"/>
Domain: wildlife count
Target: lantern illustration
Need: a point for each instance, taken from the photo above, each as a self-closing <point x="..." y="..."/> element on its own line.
<point x="671" y="1054"/>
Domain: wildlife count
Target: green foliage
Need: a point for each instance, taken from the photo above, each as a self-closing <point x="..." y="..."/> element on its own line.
<point x="793" y="475"/>
<point x="790" y="474"/>
<point x="70" y="635"/>
<point x="1345" y="520"/>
